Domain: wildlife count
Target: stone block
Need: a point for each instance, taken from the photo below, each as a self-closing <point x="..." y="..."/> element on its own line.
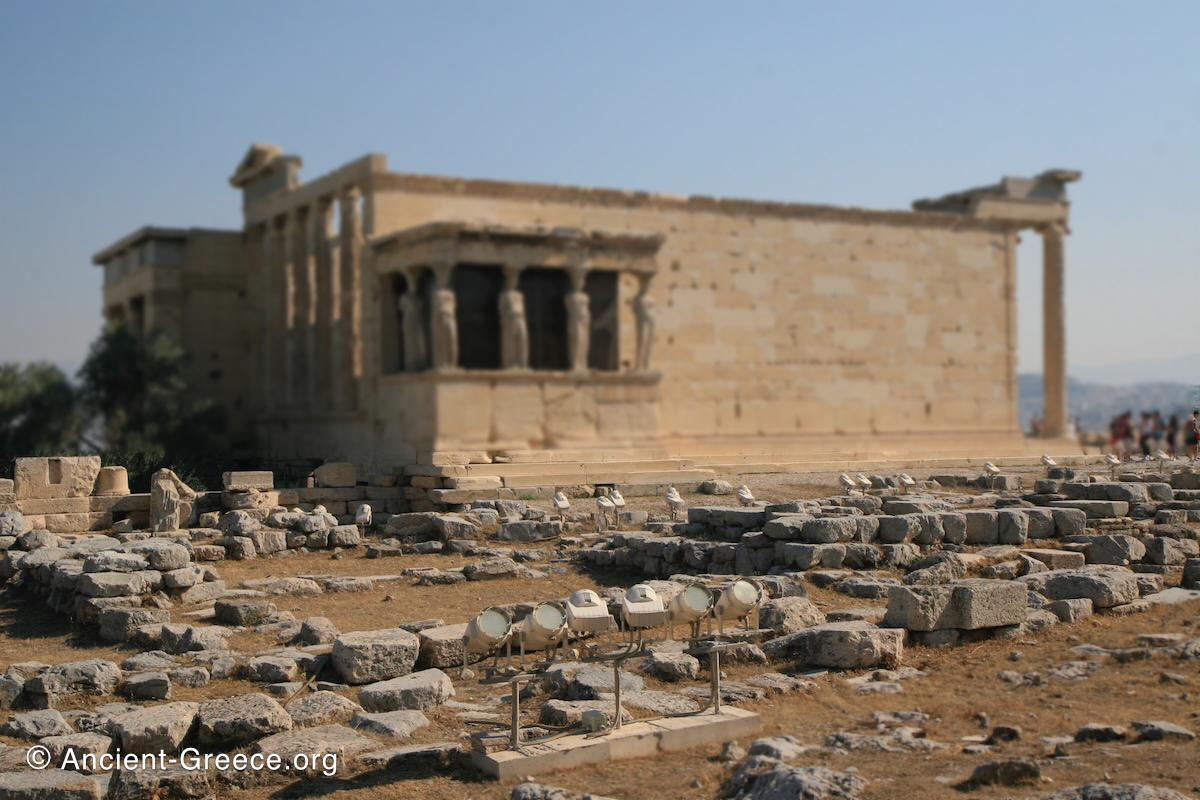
<point x="335" y="475"/>
<point x="1013" y="526"/>
<point x="119" y="624"/>
<point x="248" y="481"/>
<point x="1057" y="559"/>
<point x="899" y="529"/>
<point x="1070" y="610"/>
<point x="1096" y="509"/>
<point x="1041" y="523"/>
<point x="369" y="656"/>
<point x="1069" y="521"/>
<point x="419" y="691"/>
<point x="965" y="605"/>
<point x="841" y="645"/>
<point x="827" y="530"/>
<point x="1106" y="588"/>
<point x="398" y="724"/>
<point x="161" y="727"/>
<point x="49" y="784"/>
<point x="954" y="527"/>
<point x="1117" y="549"/>
<point x="42" y="478"/>
<point x="786" y="615"/>
<point x="812" y="556"/>
<point x="442" y="646"/>
<point x="982" y="527"/>
<point x="239" y="719"/>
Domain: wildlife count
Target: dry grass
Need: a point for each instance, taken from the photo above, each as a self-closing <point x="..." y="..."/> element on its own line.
<point x="961" y="682"/>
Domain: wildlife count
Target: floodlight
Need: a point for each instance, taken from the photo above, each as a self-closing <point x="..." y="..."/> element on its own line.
<point x="907" y="479"/>
<point x="991" y="468"/>
<point x="605" y="504"/>
<point x="487" y="632"/>
<point x="544" y="628"/>
<point x="561" y="502"/>
<point x="1048" y="461"/>
<point x="1111" y="459"/>
<point x="863" y="481"/>
<point x="615" y="496"/>
<point x="847" y="482"/>
<point x="690" y="606"/>
<point x="1161" y="455"/>
<point x="738" y="600"/>
<point x="362" y="516"/>
<point x="641" y="607"/>
<point x="587" y="613"/>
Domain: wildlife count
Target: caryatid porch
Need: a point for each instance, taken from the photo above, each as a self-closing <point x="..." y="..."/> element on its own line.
<point x="495" y="336"/>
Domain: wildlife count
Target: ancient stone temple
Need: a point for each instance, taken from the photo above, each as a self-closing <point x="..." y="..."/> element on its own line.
<point x="389" y="319"/>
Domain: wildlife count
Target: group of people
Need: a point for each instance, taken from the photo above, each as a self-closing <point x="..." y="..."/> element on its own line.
<point x="1151" y="432"/>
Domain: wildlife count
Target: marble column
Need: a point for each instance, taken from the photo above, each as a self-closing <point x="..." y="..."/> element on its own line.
<point x="320" y="375"/>
<point x="351" y="241"/>
<point x="289" y="236"/>
<point x="267" y="367"/>
<point x="443" y="319"/>
<point x="302" y="268"/>
<point x="514" y="327"/>
<point x="1054" y="332"/>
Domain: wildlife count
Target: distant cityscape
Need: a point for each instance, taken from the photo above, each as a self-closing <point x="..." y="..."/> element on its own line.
<point x="1095" y="404"/>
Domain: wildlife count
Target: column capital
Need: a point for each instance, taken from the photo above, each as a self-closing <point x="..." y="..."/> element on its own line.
<point x="1057" y="228"/>
<point x="351" y="193"/>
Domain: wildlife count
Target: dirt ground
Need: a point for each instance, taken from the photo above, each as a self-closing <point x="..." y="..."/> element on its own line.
<point x="960" y="682"/>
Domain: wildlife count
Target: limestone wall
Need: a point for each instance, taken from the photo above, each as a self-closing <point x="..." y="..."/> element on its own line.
<point x="789" y="320"/>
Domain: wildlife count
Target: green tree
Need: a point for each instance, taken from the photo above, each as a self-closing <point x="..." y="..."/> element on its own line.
<point x="38" y="412"/>
<point x="150" y="414"/>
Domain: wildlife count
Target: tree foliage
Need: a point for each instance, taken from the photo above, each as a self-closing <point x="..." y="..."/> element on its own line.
<point x="39" y="412"/>
<point x="137" y="386"/>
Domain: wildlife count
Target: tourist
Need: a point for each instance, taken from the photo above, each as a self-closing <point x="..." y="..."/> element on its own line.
<point x="1173" y="431"/>
<point x="1192" y="437"/>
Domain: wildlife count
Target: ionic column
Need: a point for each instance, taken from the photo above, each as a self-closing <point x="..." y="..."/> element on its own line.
<point x="443" y="319"/>
<point x="351" y="240"/>
<point x="514" y="328"/>
<point x="579" y="319"/>
<point x="304" y="319"/>
<point x="267" y="368"/>
<point x="290" y="227"/>
<point x="319" y="218"/>
<point x="1054" y="332"/>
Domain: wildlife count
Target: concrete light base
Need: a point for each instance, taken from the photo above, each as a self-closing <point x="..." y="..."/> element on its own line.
<point x="632" y="740"/>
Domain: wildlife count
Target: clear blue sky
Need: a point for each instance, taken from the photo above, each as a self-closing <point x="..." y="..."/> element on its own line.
<point x="115" y="115"/>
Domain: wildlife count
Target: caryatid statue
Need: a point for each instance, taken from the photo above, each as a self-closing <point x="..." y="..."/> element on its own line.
<point x="445" y="330"/>
<point x="514" y="330"/>
<point x="643" y="309"/>
<point x="413" y="325"/>
<point x="579" y="326"/>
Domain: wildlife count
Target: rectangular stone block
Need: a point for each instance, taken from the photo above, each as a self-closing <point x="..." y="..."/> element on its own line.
<point x="43" y="478"/>
<point x="811" y="556"/>
<point x="56" y="505"/>
<point x="76" y="523"/>
<point x="982" y="527"/>
<point x="247" y="481"/>
<point x="1096" y="509"/>
<point x="1057" y="559"/>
